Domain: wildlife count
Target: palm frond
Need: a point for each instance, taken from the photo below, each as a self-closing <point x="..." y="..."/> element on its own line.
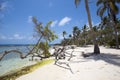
<point x="98" y="11"/>
<point x="77" y="2"/>
<point x="114" y="7"/>
<point x="118" y="1"/>
<point x="99" y="2"/>
<point x="101" y="11"/>
<point x="34" y="20"/>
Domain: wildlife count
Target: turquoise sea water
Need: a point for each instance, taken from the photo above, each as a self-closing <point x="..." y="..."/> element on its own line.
<point x="12" y="62"/>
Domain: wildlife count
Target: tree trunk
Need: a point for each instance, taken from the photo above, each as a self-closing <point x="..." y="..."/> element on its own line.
<point x="116" y="37"/>
<point x="31" y="51"/>
<point x="22" y="56"/>
<point x="96" y="48"/>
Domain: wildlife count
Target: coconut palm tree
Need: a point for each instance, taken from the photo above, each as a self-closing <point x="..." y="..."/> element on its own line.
<point x="75" y="34"/>
<point x="75" y="29"/>
<point x="64" y="33"/>
<point x="106" y="30"/>
<point x="96" y="48"/>
<point x="84" y="29"/>
<point x="108" y="6"/>
<point x="65" y="40"/>
<point x="111" y="7"/>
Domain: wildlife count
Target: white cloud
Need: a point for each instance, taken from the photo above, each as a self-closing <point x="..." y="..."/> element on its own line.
<point x="29" y="19"/>
<point x="16" y="37"/>
<point x="54" y="23"/>
<point x="3" y="5"/>
<point x="64" y="21"/>
<point x="2" y="37"/>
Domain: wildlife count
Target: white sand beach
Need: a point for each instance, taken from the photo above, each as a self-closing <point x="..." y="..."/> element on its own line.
<point x="105" y="66"/>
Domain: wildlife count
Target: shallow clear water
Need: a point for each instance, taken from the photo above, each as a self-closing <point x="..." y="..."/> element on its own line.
<point x="11" y="61"/>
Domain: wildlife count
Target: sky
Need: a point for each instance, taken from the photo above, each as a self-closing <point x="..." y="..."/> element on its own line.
<point x="16" y="26"/>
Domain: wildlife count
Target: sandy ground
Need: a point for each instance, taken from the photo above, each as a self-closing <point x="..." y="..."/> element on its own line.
<point x="105" y="66"/>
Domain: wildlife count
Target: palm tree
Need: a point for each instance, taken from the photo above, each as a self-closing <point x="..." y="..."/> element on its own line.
<point x="75" y="32"/>
<point x="65" y="41"/>
<point x="106" y="30"/>
<point x="64" y="33"/>
<point x="112" y="10"/>
<point x="96" y="48"/>
<point x="44" y="34"/>
<point x="84" y="33"/>
<point x="75" y="29"/>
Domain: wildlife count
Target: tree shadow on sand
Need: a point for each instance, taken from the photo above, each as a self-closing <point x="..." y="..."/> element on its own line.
<point x="107" y="57"/>
<point x="66" y="66"/>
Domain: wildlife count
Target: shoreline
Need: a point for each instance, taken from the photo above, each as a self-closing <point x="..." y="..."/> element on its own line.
<point x="25" y="70"/>
<point x="12" y="61"/>
<point x="14" y="64"/>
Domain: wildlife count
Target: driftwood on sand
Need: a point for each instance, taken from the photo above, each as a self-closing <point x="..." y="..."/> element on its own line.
<point x="12" y="51"/>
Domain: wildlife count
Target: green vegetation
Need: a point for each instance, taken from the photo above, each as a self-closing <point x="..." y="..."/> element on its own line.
<point x="45" y="47"/>
<point x="106" y="33"/>
<point x="45" y="36"/>
<point x="112" y="9"/>
<point x="92" y="35"/>
<point x="25" y="70"/>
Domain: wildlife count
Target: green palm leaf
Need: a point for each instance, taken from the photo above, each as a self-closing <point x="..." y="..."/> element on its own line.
<point x="77" y="2"/>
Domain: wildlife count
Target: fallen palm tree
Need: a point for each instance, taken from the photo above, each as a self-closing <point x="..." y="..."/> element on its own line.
<point x="45" y="36"/>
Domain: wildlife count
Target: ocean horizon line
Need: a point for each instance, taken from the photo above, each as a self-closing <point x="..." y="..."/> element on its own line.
<point x="20" y="44"/>
<point x="16" y="44"/>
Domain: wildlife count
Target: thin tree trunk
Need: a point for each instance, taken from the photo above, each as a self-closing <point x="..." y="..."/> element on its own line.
<point x="96" y="48"/>
<point x="85" y="43"/>
<point x="31" y="51"/>
<point x="116" y="37"/>
<point x="22" y="56"/>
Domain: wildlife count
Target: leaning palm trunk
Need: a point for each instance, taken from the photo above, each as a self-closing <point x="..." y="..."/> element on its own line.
<point x="31" y="51"/>
<point x="96" y="48"/>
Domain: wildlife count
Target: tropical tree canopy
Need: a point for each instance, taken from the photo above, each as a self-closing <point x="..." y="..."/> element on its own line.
<point x="107" y="6"/>
<point x="45" y="35"/>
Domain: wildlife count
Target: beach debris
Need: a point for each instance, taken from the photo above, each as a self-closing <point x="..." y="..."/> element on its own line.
<point x="85" y="55"/>
<point x="12" y="51"/>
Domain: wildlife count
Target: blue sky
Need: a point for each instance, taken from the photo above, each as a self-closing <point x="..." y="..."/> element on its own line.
<point x="16" y="26"/>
